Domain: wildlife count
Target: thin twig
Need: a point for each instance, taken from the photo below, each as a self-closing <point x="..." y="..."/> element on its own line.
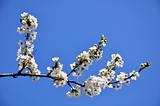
<point x="82" y="85"/>
<point x="74" y="69"/>
<point x="15" y="75"/>
<point x="115" y="82"/>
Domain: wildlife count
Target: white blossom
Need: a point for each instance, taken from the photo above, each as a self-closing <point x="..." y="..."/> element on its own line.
<point x="19" y="54"/>
<point x="121" y="77"/>
<point x="109" y="85"/>
<point x="55" y="59"/>
<point x="24" y="14"/>
<point x="95" y="53"/>
<point x="93" y="85"/>
<point x="73" y="65"/>
<point x="61" y="78"/>
<point x="29" y="23"/>
<point x="109" y="74"/>
<point x="33" y="22"/>
<point x="118" y="86"/>
<point x="146" y="64"/>
<point x="103" y="41"/>
<point x="75" y="92"/>
<point x="35" y="72"/>
<point x="84" y="56"/>
<point x="134" y="75"/>
<point x="57" y="73"/>
<point x="49" y="69"/>
<point x="127" y="81"/>
<point x="21" y="30"/>
<point x="85" y="59"/>
<point x="117" y="59"/>
<point x="33" y="36"/>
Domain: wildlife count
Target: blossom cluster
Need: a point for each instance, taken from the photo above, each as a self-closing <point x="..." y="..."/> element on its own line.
<point x="25" y="52"/>
<point x="95" y="84"/>
<point x="125" y="78"/>
<point x="29" y="23"/>
<point x="109" y="71"/>
<point x="75" y="92"/>
<point x="85" y="59"/>
<point x="92" y="86"/>
<point x="57" y="73"/>
<point x="106" y="77"/>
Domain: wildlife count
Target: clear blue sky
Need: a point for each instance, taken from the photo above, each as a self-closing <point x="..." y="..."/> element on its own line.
<point x="66" y="28"/>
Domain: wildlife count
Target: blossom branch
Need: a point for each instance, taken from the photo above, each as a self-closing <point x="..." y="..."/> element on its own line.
<point x="92" y="86"/>
<point x="15" y="75"/>
<point x="70" y="81"/>
<point x="86" y="58"/>
<point x="74" y="69"/>
<point x="147" y="64"/>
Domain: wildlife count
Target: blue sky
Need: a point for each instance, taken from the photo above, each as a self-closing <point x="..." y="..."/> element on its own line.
<point x="66" y="28"/>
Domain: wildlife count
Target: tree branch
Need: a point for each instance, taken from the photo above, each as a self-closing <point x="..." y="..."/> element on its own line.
<point x="129" y="77"/>
<point x="70" y="81"/>
<point x="15" y="75"/>
<point x="74" y="69"/>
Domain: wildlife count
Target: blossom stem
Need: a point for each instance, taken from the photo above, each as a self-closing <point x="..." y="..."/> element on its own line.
<point x="15" y="75"/>
<point x="20" y="71"/>
<point x="24" y="64"/>
<point x="24" y="74"/>
<point x="70" y="81"/>
<point x="27" y="36"/>
<point x="74" y="69"/>
<point x="71" y="71"/>
<point x="69" y="85"/>
<point x="115" y="82"/>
